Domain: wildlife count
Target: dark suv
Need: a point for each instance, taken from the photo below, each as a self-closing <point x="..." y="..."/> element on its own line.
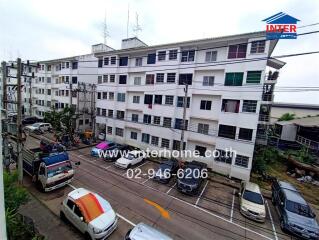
<point x="295" y="214"/>
<point x="189" y="181"/>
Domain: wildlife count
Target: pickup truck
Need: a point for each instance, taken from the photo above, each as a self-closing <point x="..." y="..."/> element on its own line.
<point x="48" y="170"/>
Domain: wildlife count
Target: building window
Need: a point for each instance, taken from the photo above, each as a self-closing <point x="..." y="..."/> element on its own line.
<point x="188" y="56"/>
<point x="105" y="78"/>
<point x="137" y="80"/>
<point x="110" y="113"/>
<point x="112" y="78"/>
<point x="169" y="100"/>
<point x="158" y="99"/>
<point x="237" y="51"/>
<point x="203" y="128"/>
<point x="120" y="114"/>
<point x="48" y="79"/>
<point x="48" y="91"/>
<point x="223" y="157"/>
<point x="185" y="78"/>
<point x="167" y="122"/>
<point x="87" y="121"/>
<point x="134" y="117"/>
<point x="106" y="61"/>
<point x="201" y="150"/>
<point x="249" y="106"/>
<point x="136" y="99"/>
<point x="208" y="80"/>
<point x="151" y="58"/>
<point x="111" y="95"/>
<point x="74" y="65"/>
<point x="205" y="105"/>
<point x="134" y="135"/>
<point x="113" y="60"/>
<point x="234" y="79"/>
<point x="104" y="95"/>
<point x="227" y="131"/>
<point x="109" y="130"/>
<point x="98" y="111"/>
<point x="156" y="120"/>
<point x="160" y="77"/>
<point x="253" y="77"/>
<point x="229" y="105"/>
<point x="100" y="62"/>
<point x="245" y="134"/>
<point x="103" y="112"/>
<point x="154" y="141"/>
<point x="121" y="97"/>
<point x="258" y="46"/>
<point x="161" y="55"/>
<point x="138" y="62"/>
<point x="148" y="99"/>
<point x="80" y="122"/>
<point x="147" y="119"/>
<point x="241" y="161"/>
<point x="165" y="143"/>
<point x="74" y="80"/>
<point x="119" y="132"/>
<point x="172" y="54"/>
<point x="211" y="56"/>
<point x="149" y="79"/>
<point x="123" y="61"/>
<point x="99" y="79"/>
<point x="171" y="77"/>
<point x="180" y="102"/>
<point x="122" y="79"/>
<point x="145" y="138"/>
<point x="177" y="144"/>
<point x="179" y="123"/>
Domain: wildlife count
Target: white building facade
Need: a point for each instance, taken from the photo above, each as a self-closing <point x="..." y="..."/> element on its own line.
<point x="140" y="96"/>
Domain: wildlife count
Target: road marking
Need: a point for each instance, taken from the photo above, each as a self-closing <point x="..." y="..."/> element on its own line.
<point x="145" y="181"/>
<point x="70" y="185"/>
<point x="163" y="212"/>
<point x="201" y="193"/>
<point x="126" y="220"/>
<point x="171" y="188"/>
<point x="272" y="222"/>
<point x="107" y="167"/>
<point x="232" y="207"/>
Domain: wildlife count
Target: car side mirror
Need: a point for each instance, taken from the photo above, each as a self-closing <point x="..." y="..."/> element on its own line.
<point x="281" y="203"/>
<point x="82" y="219"/>
<point x="77" y="163"/>
<point x="239" y="194"/>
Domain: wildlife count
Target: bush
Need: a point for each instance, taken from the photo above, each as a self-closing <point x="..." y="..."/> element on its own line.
<point x="263" y="157"/>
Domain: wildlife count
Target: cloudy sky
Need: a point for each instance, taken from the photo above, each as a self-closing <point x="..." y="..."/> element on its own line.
<point x="42" y="29"/>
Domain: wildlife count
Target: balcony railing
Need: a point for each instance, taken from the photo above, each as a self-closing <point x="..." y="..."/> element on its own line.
<point x="307" y="142"/>
<point x="267" y="97"/>
<point x="264" y="117"/>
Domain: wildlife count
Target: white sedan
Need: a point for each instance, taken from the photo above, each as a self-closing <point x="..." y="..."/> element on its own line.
<point x="39" y="126"/>
<point x="89" y="213"/>
<point x="130" y="159"/>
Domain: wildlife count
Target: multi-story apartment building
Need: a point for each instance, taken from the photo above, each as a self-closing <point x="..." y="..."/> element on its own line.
<point x="141" y="89"/>
<point x="60" y="83"/>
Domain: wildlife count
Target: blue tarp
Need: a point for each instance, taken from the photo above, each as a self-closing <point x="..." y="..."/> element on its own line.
<point x="55" y="158"/>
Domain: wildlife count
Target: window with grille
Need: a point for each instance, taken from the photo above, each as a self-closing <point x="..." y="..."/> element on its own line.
<point x="237" y="51"/>
<point x="245" y="134"/>
<point x="188" y="56"/>
<point x="223" y="156"/>
<point x="120" y="114"/>
<point x="112" y="78"/>
<point x="249" y="106"/>
<point x="121" y="97"/>
<point x="167" y="122"/>
<point x="180" y="102"/>
<point x="165" y="143"/>
<point x="227" y="131"/>
<point x="105" y="78"/>
<point x="154" y="140"/>
<point x="158" y="99"/>
<point x="113" y="60"/>
<point x="171" y="77"/>
<point x="103" y="112"/>
<point x="253" y="77"/>
<point x="203" y="128"/>
<point x="258" y="46"/>
<point x="119" y="132"/>
<point x="111" y="95"/>
<point x="208" y="80"/>
<point x="179" y="124"/>
<point x="109" y="130"/>
<point x="134" y="117"/>
<point x="106" y="61"/>
<point x="149" y="79"/>
<point x="176" y="145"/>
<point x="134" y="135"/>
<point x="241" y="161"/>
<point x="110" y="113"/>
<point x="160" y="77"/>
<point x="234" y="79"/>
<point x="147" y="119"/>
<point x="98" y="111"/>
<point x="136" y="99"/>
<point x="145" y="138"/>
<point x="211" y="56"/>
<point x="157" y="120"/>
<point x="161" y="55"/>
<point x="172" y="54"/>
<point x="104" y="95"/>
<point x="169" y="100"/>
<point x="205" y="105"/>
<point x="100" y="62"/>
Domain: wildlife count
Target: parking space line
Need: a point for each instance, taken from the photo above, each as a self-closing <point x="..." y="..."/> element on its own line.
<point x="126" y="220"/>
<point x="201" y="193"/>
<point x="272" y="222"/>
<point x="146" y="180"/>
<point x="107" y="167"/>
<point x="171" y="188"/>
<point x="232" y="206"/>
<point x="70" y="185"/>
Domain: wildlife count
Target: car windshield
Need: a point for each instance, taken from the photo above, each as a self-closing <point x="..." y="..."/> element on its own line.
<point x="164" y="166"/>
<point x="253" y="197"/>
<point x="129" y="156"/>
<point x="36" y="124"/>
<point x="299" y="209"/>
<point x="59" y="168"/>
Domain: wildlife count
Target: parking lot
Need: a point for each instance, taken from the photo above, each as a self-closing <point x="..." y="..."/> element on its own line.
<point x="214" y="211"/>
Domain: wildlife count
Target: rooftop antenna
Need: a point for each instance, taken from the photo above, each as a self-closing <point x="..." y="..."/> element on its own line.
<point x="128" y="19"/>
<point x="137" y="28"/>
<point x="105" y="30"/>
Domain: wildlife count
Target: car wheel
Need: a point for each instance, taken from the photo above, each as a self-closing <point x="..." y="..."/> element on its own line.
<point x="87" y="236"/>
<point x="282" y="225"/>
<point x="62" y="216"/>
<point x="129" y="166"/>
<point x="273" y="200"/>
<point x="40" y="186"/>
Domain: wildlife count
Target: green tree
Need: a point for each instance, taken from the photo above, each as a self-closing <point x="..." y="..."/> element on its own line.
<point x="287" y="117"/>
<point x="67" y="120"/>
<point x="54" y="117"/>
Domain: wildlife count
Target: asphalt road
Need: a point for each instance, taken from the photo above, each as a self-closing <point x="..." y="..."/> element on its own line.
<point x="212" y="215"/>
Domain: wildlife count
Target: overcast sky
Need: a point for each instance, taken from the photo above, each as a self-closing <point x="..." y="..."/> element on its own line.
<point x="42" y="29"/>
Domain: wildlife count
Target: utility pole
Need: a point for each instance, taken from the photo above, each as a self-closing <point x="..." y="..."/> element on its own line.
<point x="93" y="109"/>
<point x="30" y="95"/>
<point x="3" y="231"/>
<point x="184" y="116"/>
<point x="4" y="84"/>
<point x="19" y="122"/>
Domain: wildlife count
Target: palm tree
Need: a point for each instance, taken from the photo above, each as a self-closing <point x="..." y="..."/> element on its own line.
<point x="287" y="117"/>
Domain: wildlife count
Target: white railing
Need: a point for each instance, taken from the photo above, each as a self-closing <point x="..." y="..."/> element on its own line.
<point x="307" y="142"/>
